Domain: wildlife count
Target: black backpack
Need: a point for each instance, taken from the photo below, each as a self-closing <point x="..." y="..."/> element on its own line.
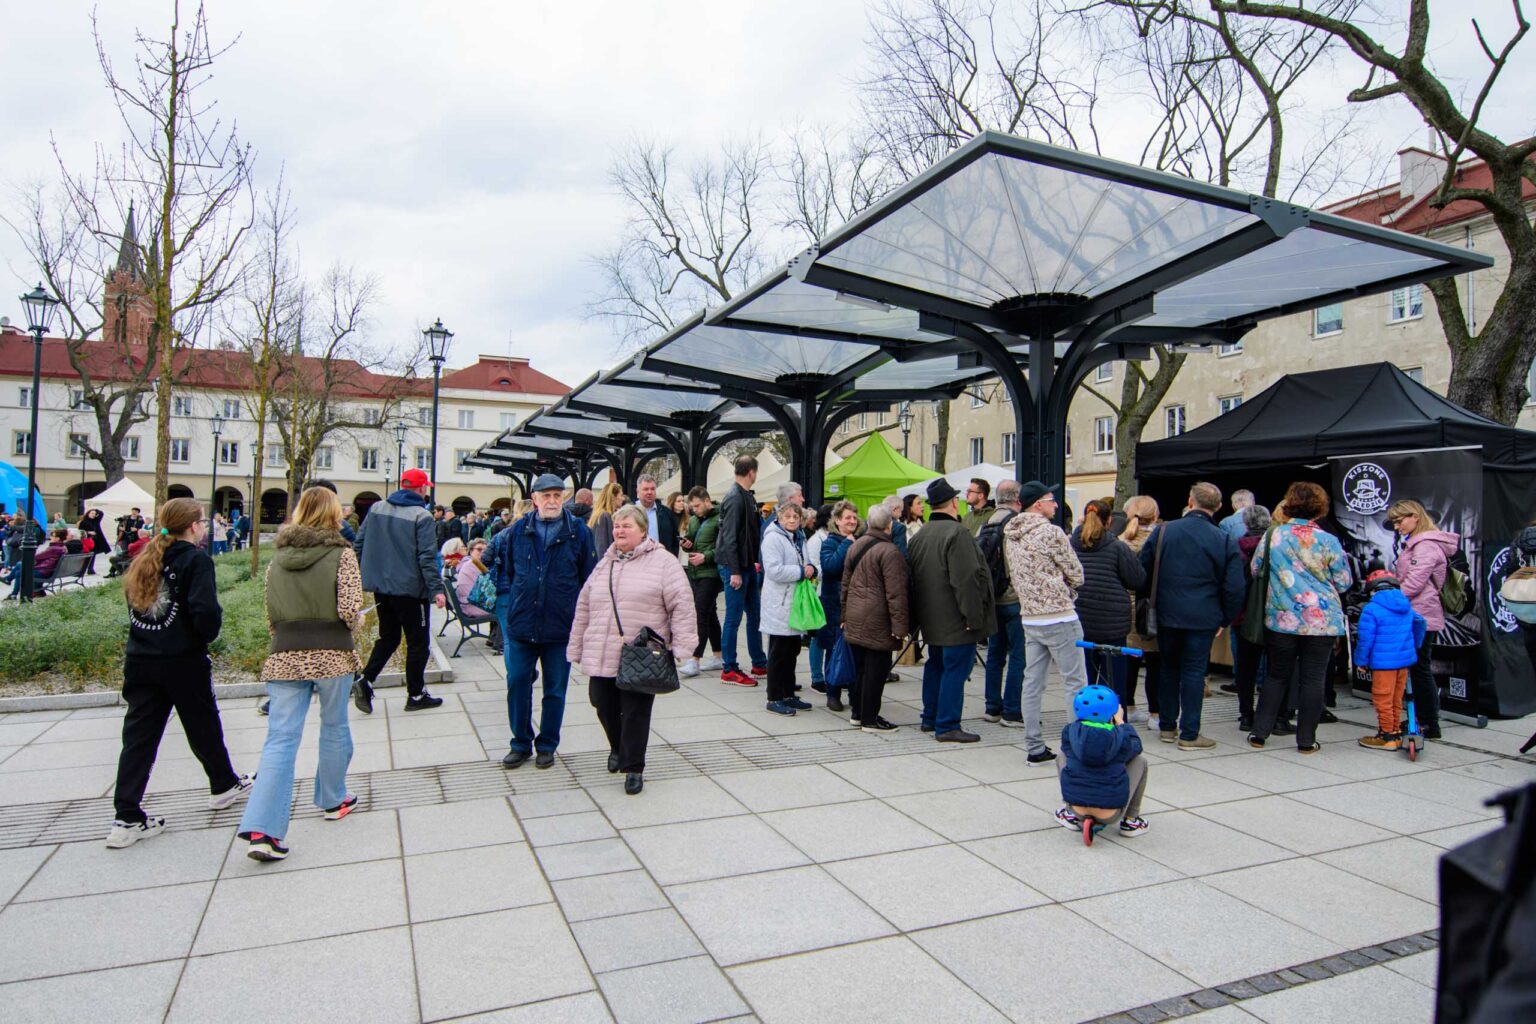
<point x="990" y="541"/>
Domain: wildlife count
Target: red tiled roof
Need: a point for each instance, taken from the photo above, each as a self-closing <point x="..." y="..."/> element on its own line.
<point x="509" y="374"/>
<point x="1389" y="208"/>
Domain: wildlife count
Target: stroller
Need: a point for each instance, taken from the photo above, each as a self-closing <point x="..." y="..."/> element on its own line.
<point x="1104" y="656"/>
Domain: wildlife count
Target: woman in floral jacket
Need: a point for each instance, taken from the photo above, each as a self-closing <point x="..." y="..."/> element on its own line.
<point x="1304" y="614"/>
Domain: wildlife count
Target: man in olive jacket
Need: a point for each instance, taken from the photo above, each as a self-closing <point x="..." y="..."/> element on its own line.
<point x="952" y="604"/>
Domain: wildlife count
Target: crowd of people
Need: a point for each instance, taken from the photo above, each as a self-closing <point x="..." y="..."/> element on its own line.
<point x="576" y="578"/>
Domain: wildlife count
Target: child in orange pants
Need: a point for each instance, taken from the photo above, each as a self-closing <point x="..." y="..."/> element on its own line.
<point x="1389" y="639"/>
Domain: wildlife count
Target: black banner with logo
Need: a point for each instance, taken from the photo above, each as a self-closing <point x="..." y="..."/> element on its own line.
<point x="1449" y="484"/>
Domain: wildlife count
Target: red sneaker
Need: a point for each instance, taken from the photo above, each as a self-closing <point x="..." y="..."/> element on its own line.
<point x="759" y="670"/>
<point x="736" y="678"/>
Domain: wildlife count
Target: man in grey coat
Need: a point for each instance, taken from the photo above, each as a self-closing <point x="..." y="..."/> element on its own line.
<point x="397" y="550"/>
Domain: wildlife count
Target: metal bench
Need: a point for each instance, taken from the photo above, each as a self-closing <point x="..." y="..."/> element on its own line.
<point x="69" y="572"/>
<point x="470" y="619"/>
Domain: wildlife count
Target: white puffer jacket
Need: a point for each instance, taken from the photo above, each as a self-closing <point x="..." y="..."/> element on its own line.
<point x="652" y="591"/>
<point x="784" y="562"/>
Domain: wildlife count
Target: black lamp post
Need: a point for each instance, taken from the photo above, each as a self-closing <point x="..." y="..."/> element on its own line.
<point x="39" y="306"/>
<point x="400" y="431"/>
<point x="904" y="417"/>
<point x="438" y="338"/>
<point x="389" y="472"/>
<point x="213" y="488"/>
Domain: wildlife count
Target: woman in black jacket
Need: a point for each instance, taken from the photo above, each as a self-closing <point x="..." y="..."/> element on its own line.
<point x="173" y="615"/>
<point x="90" y="526"/>
<point x="1110" y="570"/>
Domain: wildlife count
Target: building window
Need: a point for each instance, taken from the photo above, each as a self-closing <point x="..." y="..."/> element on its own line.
<point x="181" y="449"/>
<point x="231" y="408"/>
<point x="367" y="460"/>
<point x="373" y="417"/>
<point x="1407" y="303"/>
<point x="933" y="455"/>
<point x="322" y="459"/>
<point x="77" y="398"/>
<point x="229" y="453"/>
<point x="24" y="397"/>
<point x="1066" y="439"/>
<point x="181" y="405"/>
<point x="423" y="458"/>
<point x="1010" y="448"/>
<point x="460" y="456"/>
<point x="466" y="419"/>
<point x="130" y="448"/>
<point x="21" y="442"/>
<point x="880" y="418"/>
<point x="1173" y="421"/>
<point x="1414" y="373"/>
<point x="1104" y="372"/>
<point x="77" y="446"/>
<point x="863" y="420"/>
<point x="275" y="455"/>
<point x="1328" y="320"/>
<point x="509" y="420"/>
<point x="424" y="415"/>
<point x="1234" y="349"/>
<point x="978" y="450"/>
<point x="1103" y="435"/>
<point x="977" y="399"/>
<point x="1230" y="402"/>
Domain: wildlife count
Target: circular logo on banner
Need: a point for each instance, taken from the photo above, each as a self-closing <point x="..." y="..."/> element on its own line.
<point x="1502" y="565"/>
<point x="1367" y="489"/>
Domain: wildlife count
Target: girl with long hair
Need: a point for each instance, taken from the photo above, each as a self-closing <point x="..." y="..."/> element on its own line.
<point x="1110" y="570"/>
<point x="1141" y="514"/>
<point x="609" y="500"/>
<point x="173" y="615"/>
<point x="314" y="602"/>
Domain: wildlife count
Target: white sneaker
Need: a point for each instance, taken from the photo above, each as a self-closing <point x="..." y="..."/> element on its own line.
<point x="239" y="791"/>
<point x="711" y="665"/>
<point x="690" y="667"/>
<point x="1139" y="717"/>
<point x="124" y="834"/>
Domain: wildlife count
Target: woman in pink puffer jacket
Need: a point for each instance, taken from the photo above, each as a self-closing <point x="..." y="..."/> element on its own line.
<point x="1422" y="566"/>
<point x="651" y="590"/>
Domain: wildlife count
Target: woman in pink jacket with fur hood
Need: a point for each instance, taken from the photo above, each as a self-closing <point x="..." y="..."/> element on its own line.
<point x="648" y="584"/>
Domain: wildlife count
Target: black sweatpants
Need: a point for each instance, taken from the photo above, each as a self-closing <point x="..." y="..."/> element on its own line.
<point x="783" y="653"/>
<point x="869" y="683"/>
<point x="411" y="616"/>
<point x="1308" y="655"/>
<point x="1246" y="674"/>
<point x="152" y="687"/>
<point x="706" y="596"/>
<point x="1426" y="694"/>
<point x="626" y="720"/>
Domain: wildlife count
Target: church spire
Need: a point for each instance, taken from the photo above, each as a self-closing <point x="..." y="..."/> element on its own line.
<point x="128" y="249"/>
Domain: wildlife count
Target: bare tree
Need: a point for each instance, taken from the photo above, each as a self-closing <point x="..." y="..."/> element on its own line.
<point x="192" y="172"/>
<point x="1488" y="367"/>
<point x="688" y="243"/>
<point x="830" y="177"/>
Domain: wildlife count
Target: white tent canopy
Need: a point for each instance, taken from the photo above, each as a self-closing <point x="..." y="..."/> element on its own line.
<point x="122" y="498"/>
<point x="961" y="478"/>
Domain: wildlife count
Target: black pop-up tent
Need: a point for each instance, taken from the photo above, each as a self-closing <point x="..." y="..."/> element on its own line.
<point x="1371" y="434"/>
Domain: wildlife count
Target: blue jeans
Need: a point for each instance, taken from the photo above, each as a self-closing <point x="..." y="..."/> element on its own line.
<point x="271" y="801"/>
<point x="1181" y="683"/>
<point x="523" y="659"/>
<point x="739" y="602"/>
<point x="1006" y="645"/>
<point x="818" y="660"/>
<point x="944" y="678"/>
<point x="221" y="547"/>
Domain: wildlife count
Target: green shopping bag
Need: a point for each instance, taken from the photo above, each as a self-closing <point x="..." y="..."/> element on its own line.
<point x="806" y="614"/>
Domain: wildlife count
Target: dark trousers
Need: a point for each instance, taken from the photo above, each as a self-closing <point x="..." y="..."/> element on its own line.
<point x="871" y="667"/>
<point x="626" y="720"/>
<point x="408" y="615"/>
<point x="1181" y="680"/>
<point x="706" y="611"/>
<point x="1245" y="672"/>
<point x="1153" y="660"/>
<point x="1308" y="655"/>
<point x="1426" y="697"/>
<point x="783" y="653"/>
<point x="151" y="688"/>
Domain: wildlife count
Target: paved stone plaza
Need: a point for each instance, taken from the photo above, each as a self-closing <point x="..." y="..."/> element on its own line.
<point x="778" y="869"/>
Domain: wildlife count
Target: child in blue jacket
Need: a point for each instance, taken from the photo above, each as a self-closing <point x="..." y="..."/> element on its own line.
<point x="1102" y="772"/>
<point x="1390" y="635"/>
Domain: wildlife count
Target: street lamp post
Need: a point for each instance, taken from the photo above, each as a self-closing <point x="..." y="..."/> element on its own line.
<point x="400" y="431"/>
<point x="213" y="487"/>
<point x="437" y="337"/>
<point x="389" y="473"/>
<point x="904" y="417"/>
<point x="39" y="306"/>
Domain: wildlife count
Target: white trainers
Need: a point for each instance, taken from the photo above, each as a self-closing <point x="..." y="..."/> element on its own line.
<point x="1139" y="717"/>
<point x="124" y="834"/>
<point x="239" y="791"/>
<point x="711" y="665"/>
<point x="690" y="667"/>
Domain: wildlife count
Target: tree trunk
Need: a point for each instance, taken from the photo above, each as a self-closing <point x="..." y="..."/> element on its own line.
<point x="1140" y="398"/>
<point x="1489" y="370"/>
<point x="942" y="413"/>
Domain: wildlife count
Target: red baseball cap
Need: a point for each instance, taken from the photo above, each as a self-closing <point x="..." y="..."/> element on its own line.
<point x="414" y="478"/>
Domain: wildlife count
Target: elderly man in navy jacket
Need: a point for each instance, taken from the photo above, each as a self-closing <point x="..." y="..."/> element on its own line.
<point x="1197" y="570"/>
<point x="539" y="564"/>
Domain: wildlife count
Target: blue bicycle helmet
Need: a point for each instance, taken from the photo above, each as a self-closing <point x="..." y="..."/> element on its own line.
<point x="1095" y="704"/>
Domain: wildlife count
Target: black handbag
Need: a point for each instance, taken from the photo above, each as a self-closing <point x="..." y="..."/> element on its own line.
<point x="1257" y="603"/>
<point x="1145" y="611"/>
<point x="645" y="663"/>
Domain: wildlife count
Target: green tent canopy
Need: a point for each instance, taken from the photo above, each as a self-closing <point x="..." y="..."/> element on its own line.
<point x="871" y="474"/>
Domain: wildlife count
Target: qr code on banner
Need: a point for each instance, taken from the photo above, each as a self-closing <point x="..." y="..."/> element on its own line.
<point x="1457" y="688"/>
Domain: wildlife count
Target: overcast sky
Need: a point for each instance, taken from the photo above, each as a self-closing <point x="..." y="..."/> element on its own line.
<point x="460" y="151"/>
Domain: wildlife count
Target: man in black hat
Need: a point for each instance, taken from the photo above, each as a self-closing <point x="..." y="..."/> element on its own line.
<point x="952" y="602"/>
